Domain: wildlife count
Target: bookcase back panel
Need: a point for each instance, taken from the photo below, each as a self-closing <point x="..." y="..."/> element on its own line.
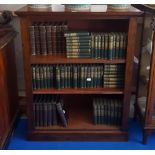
<point x="99" y="25"/>
<point x="103" y="25"/>
<point x="80" y="113"/>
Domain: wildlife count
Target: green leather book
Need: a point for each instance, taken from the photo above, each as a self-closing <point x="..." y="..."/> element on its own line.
<point x="106" y="46"/>
<point x="99" y="51"/>
<point x="62" y="76"/>
<point x="92" y="76"/>
<point x="51" y="77"/>
<point x="34" y="82"/>
<point x="45" y="113"/>
<point x="111" y="44"/>
<point x="82" y="77"/>
<point x="88" y="78"/>
<point x="75" y="77"/>
<point x="92" y="45"/>
<point x="44" y="76"/>
<point x="48" y="76"/>
<point x="65" y="76"/>
<point x="117" y="45"/>
<point x="102" y="46"/>
<point x="76" y="34"/>
<point x="95" y="111"/>
<point x="58" y="85"/>
<point x="38" y="81"/>
<point x="96" y="47"/>
<point x="114" y="46"/>
<point x="61" y="114"/>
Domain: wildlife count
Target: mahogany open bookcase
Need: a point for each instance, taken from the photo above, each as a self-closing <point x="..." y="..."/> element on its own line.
<point x="78" y="73"/>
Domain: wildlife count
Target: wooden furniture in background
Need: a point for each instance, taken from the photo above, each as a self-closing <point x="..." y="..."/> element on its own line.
<point x="145" y="104"/>
<point x="80" y="126"/>
<point x="8" y="86"/>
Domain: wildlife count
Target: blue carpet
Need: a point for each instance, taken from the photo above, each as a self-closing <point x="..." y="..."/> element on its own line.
<point x="19" y="142"/>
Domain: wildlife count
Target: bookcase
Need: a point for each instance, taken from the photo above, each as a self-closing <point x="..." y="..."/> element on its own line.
<point x="8" y="89"/>
<point x="89" y="84"/>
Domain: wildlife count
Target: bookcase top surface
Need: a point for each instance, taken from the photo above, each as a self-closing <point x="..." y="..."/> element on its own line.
<point x="26" y="11"/>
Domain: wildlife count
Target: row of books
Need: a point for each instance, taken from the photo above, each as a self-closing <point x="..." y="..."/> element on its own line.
<point x="113" y="75"/>
<point x="96" y="45"/>
<point x="107" y="111"/>
<point x="51" y="38"/>
<point x="77" y="76"/>
<point x="108" y="45"/>
<point x="47" y="37"/>
<point x="48" y="111"/>
<point x="78" y="44"/>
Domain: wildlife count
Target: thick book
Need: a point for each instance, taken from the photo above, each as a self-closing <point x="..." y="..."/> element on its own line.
<point x="76" y="34"/>
<point x="43" y="45"/>
<point x="37" y="38"/>
<point x="61" y="114"/>
<point x="32" y="40"/>
<point x="49" y="38"/>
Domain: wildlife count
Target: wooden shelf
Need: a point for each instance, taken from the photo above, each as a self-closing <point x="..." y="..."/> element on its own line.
<point x="61" y="59"/>
<point x="80" y="91"/>
<point x="80" y="124"/>
<point x="80" y="117"/>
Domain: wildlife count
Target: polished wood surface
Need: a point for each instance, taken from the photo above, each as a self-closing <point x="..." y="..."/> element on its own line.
<point x="61" y="59"/>
<point x="26" y="11"/>
<point x="129" y="70"/>
<point x="90" y="21"/>
<point x="8" y="87"/>
<point x="80" y="91"/>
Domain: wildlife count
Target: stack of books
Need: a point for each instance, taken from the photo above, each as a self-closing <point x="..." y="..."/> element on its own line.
<point x="108" y="45"/>
<point x="78" y="44"/>
<point x="47" y="38"/>
<point x="48" y="111"/>
<point x="107" y="111"/>
<point x="79" y="76"/>
<point x="114" y="75"/>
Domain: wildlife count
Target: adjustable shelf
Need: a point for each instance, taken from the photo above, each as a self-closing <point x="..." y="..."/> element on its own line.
<point x="80" y="91"/>
<point x="61" y="59"/>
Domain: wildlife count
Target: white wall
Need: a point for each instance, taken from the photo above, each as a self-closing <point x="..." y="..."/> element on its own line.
<point x="11" y="7"/>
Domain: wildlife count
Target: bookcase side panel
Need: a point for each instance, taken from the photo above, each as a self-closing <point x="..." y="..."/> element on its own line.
<point x="129" y="70"/>
<point x="27" y="68"/>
